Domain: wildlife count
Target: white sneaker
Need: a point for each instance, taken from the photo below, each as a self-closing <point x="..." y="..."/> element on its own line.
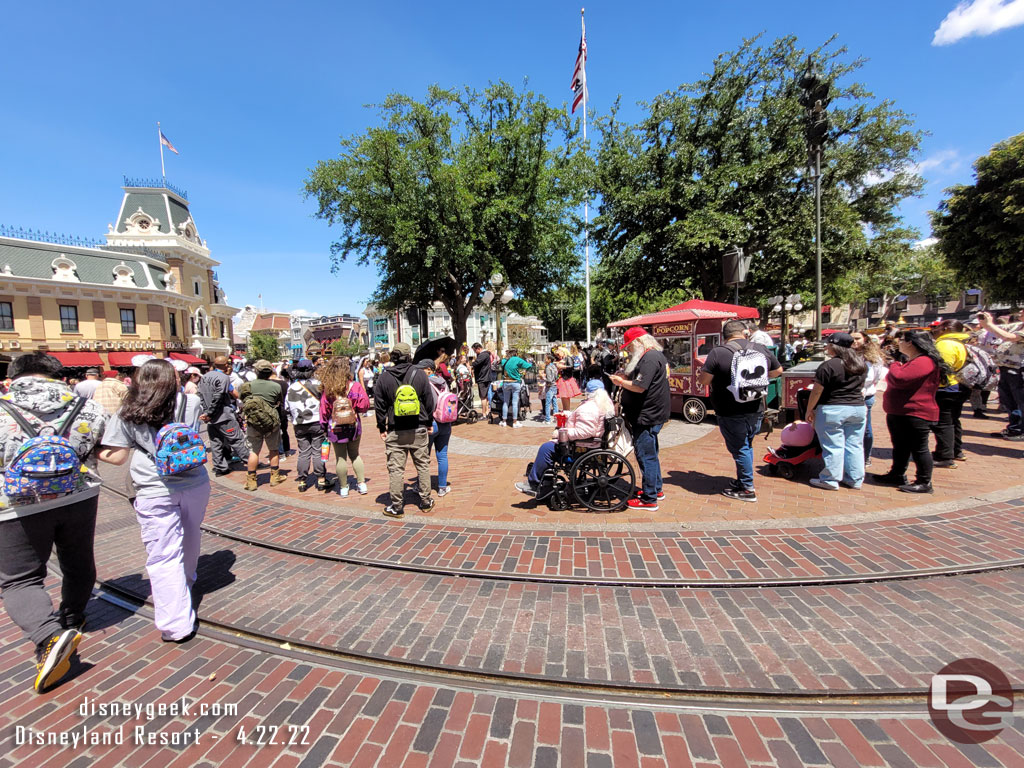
<point x="444" y="491"/>
<point x="502" y="424"/>
<point x="361" y="488"/>
<point x="343" y="491"/>
<point x="517" y="425"/>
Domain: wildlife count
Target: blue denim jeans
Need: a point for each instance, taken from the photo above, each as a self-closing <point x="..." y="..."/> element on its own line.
<point x="542" y="462"/>
<point x="439" y="437"/>
<point x="869" y="435"/>
<point x="550" y="402"/>
<point x="739" y="432"/>
<point x="1011" y="398"/>
<point x="645" y="444"/>
<point x="840" y="430"/>
<point x="510" y="393"/>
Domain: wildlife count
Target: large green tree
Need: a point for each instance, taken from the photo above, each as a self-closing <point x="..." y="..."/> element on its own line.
<point x="263" y="346"/>
<point x="723" y="161"/>
<point x="896" y="268"/>
<point x="980" y="226"/>
<point x="453" y="188"/>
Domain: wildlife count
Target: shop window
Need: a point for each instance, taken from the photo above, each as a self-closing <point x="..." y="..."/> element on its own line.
<point x="127" y="321"/>
<point x="679" y="353"/>
<point x="6" y="316"/>
<point x="173" y="323"/>
<point x="68" y="319"/>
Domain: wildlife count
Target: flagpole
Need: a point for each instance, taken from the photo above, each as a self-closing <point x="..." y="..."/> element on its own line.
<point x="586" y="200"/>
<point x="160" y="141"/>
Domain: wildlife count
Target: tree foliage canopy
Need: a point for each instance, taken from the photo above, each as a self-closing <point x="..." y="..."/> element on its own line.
<point x="449" y="190"/>
<point x="722" y="162"/>
<point x="894" y="269"/>
<point x="263" y="346"/>
<point x="980" y="226"/>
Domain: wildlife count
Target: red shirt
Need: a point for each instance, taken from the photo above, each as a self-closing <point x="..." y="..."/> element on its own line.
<point x="911" y="387"/>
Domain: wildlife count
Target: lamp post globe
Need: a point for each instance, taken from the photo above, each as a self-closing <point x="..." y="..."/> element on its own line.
<point x="488" y="296"/>
<point x="497" y="279"/>
<point x="507" y="296"/>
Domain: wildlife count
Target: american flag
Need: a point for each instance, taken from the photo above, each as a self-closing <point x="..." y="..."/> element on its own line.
<point x="579" y="74"/>
<point x="167" y="143"/>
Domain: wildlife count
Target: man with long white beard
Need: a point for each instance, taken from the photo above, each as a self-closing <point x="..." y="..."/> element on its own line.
<point x="646" y="406"/>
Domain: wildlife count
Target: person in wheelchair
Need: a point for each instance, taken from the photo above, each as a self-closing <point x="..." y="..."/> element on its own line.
<point x="585" y="428"/>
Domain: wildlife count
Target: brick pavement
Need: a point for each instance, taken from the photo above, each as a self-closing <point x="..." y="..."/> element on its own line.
<point x="695" y="474"/>
<point x="856" y="637"/>
<point x="985" y="535"/>
<point x="340" y="716"/>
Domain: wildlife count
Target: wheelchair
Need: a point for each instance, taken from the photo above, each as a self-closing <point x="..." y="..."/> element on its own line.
<point x="589" y="473"/>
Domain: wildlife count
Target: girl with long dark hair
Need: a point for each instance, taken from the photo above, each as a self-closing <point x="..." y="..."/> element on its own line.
<point x="337" y="382"/>
<point x="911" y="409"/>
<point x="837" y="411"/>
<point x="170" y="508"/>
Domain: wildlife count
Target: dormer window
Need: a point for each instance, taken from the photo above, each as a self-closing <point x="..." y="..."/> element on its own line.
<point x="141" y="223"/>
<point x="64" y="269"/>
<point x="124" y="275"/>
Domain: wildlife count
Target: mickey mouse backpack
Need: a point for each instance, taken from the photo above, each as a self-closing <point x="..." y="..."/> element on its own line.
<point x="749" y="373"/>
<point x="179" y="448"/>
<point x="46" y="466"/>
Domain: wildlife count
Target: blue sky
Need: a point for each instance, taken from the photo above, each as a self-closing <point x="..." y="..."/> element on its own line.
<point x="253" y="94"/>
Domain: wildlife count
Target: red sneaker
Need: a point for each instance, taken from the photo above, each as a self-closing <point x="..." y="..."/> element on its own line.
<point x="661" y="494"/>
<point x="639" y="503"/>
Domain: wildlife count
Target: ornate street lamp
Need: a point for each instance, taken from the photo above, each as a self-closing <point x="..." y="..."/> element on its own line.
<point x="497" y="283"/>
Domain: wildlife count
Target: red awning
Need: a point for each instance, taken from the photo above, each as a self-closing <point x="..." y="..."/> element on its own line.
<point x="78" y="359"/>
<point x="190" y="359"/>
<point x="690" y="310"/>
<point x="121" y="359"/>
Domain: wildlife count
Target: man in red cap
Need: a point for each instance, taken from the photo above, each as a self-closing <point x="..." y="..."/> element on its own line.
<point x="646" y="406"/>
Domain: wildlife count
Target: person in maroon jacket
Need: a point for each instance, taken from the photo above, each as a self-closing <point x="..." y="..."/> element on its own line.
<point x="911" y="410"/>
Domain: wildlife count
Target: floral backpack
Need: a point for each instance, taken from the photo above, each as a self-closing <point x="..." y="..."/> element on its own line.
<point x="178" y="447"/>
<point x="46" y="466"/>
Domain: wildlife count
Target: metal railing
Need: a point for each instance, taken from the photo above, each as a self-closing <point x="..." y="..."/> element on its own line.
<point x="155" y="184"/>
<point x="48" y="237"/>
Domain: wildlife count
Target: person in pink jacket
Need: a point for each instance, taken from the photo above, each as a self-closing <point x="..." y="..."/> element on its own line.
<point x="585" y="426"/>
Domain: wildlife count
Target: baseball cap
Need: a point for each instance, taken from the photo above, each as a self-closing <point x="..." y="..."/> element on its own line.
<point x="402" y="348"/>
<point x="304" y="365"/>
<point x="92" y="372"/>
<point x="632" y="335"/>
<point x="262" y="365"/>
<point x="841" y="340"/>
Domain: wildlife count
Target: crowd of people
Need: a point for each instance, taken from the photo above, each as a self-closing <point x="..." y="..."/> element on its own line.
<point x="153" y="418"/>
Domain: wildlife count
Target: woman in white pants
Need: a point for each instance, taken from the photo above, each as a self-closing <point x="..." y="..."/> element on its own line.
<point x="169" y="509"/>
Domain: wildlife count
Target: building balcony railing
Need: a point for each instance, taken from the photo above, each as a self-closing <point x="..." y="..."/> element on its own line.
<point x="155" y="184"/>
<point x="47" y="237"/>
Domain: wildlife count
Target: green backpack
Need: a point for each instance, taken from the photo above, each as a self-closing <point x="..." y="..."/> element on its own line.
<point x="260" y="415"/>
<point x="407" y="402"/>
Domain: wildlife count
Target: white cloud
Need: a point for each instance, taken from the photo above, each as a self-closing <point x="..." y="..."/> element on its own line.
<point x="980" y="18"/>
<point x="945" y="161"/>
<point x="925" y="243"/>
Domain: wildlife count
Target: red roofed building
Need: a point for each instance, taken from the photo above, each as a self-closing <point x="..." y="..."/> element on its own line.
<point x="279" y="325"/>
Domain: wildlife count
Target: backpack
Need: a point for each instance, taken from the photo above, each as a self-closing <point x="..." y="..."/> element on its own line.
<point x="748" y="374"/>
<point x="45" y="466"/>
<point x="343" y="414"/>
<point x="178" y="448"/>
<point x="260" y="415"/>
<point x="407" y="402"/>
<point x="979" y="371"/>
<point x="495" y="362"/>
<point x="446" y="404"/>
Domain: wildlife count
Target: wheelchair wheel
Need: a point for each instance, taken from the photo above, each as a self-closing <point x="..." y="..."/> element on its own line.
<point x="602" y="481"/>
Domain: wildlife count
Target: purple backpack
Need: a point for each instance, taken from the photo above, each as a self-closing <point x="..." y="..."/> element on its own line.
<point x="46" y="466"/>
<point x="178" y="447"/>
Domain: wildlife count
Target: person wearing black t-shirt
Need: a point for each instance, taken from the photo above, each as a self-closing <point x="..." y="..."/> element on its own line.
<point x="738" y="421"/>
<point x="483" y="373"/>
<point x="646" y="406"/>
<point x="839" y="415"/>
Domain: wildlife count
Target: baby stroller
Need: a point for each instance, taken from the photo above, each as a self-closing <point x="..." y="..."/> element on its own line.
<point x="464" y="390"/>
<point x="799" y="442"/>
<point x="497" y="399"/>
